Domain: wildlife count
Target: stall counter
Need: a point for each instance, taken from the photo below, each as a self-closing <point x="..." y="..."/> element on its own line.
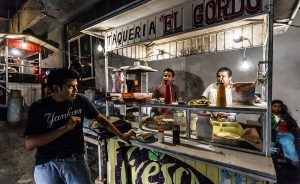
<point x="188" y="162"/>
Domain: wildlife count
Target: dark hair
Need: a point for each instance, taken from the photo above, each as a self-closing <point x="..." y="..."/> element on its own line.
<point x="59" y="76"/>
<point x="170" y="70"/>
<point x="284" y="108"/>
<point x="224" y="69"/>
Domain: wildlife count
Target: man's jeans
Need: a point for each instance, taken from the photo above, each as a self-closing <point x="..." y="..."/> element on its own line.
<point x="287" y="142"/>
<point x="72" y="170"/>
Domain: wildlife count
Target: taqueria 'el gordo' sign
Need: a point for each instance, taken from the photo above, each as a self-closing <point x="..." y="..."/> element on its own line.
<point x="187" y="17"/>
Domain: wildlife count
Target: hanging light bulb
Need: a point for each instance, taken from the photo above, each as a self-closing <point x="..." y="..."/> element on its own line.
<point x="100" y="48"/>
<point x="245" y="64"/>
<point x="156" y="52"/>
<point x="238" y="38"/>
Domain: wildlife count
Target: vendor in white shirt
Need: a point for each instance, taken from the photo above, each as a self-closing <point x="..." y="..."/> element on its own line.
<point x="210" y="92"/>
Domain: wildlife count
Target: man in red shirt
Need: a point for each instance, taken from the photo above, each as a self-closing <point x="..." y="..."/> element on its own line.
<point x="283" y="126"/>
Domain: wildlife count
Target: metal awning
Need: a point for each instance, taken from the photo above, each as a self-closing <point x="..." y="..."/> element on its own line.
<point x="135" y="69"/>
<point x="123" y="16"/>
<point x="29" y="38"/>
<point x="284" y="13"/>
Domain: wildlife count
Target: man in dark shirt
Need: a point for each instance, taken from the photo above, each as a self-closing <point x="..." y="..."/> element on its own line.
<point x="55" y="128"/>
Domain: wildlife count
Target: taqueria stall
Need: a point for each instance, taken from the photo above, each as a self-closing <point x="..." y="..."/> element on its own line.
<point x="178" y="34"/>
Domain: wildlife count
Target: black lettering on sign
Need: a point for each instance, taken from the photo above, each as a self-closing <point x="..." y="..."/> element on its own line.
<point x="144" y="30"/>
<point x="131" y="33"/>
<point x="114" y="39"/>
<point x="137" y="32"/>
<point x="119" y="38"/>
<point x="125" y="35"/>
<point x="152" y="28"/>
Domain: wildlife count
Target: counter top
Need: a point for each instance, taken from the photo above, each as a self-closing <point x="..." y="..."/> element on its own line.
<point x="259" y="166"/>
<point x="255" y="165"/>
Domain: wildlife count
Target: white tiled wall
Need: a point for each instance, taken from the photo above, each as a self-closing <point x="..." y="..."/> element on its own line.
<point x="30" y="91"/>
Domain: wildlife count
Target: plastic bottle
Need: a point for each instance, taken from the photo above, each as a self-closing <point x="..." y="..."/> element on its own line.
<point x="204" y="127"/>
<point x="161" y="135"/>
<point x="168" y="99"/>
<point x="176" y="133"/>
<point x="221" y="95"/>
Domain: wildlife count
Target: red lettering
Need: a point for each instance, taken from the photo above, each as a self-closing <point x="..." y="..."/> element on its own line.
<point x="223" y="10"/>
<point x="168" y="24"/>
<point x="237" y="13"/>
<point x="176" y="28"/>
<point x="212" y="6"/>
<point x="253" y="9"/>
<point x="198" y="16"/>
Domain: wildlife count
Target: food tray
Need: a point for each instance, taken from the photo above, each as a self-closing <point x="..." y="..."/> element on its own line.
<point x="148" y="137"/>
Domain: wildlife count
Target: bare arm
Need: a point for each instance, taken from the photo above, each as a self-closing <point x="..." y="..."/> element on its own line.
<point x="111" y="128"/>
<point x="34" y="141"/>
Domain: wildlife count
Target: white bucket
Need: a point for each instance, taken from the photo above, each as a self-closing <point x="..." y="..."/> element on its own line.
<point x="204" y="127"/>
<point x="14" y="110"/>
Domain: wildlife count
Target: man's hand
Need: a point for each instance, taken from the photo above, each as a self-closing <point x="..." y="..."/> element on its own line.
<point x="34" y="141"/>
<point x="73" y="121"/>
<point x="126" y="136"/>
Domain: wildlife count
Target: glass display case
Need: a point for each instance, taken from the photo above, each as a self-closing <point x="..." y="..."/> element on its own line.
<point x="243" y="129"/>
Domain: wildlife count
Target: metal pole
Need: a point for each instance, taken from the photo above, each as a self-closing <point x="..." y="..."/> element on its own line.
<point x="270" y="77"/>
<point x="6" y="73"/>
<point x="100" y="162"/>
<point x="108" y="102"/>
<point x="40" y="66"/>
<point x="106" y="71"/>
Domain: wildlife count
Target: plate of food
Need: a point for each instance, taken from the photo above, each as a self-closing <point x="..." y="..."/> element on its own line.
<point x="147" y="137"/>
<point x="199" y="102"/>
<point x="160" y="121"/>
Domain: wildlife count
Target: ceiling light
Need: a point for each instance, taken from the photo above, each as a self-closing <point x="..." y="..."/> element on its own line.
<point x="238" y="38"/>
<point x="245" y="64"/>
<point x="100" y="48"/>
<point x="157" y="52"/>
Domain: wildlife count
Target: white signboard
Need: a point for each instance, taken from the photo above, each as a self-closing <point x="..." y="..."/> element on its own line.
<point x="188" y="17"/>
